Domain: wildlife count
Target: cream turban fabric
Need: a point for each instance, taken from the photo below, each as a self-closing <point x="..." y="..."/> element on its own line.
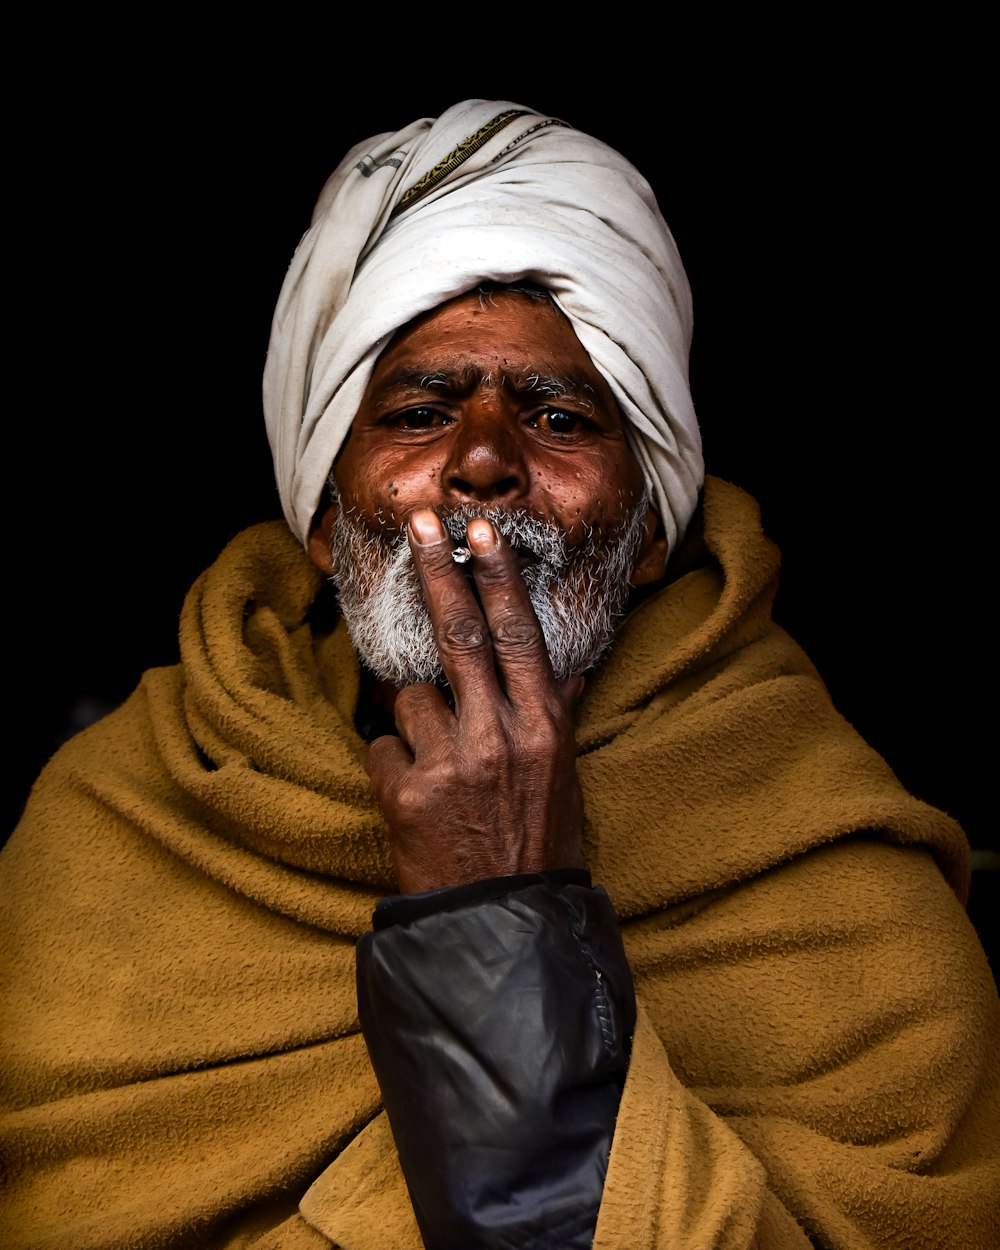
<point x="490" y="191"/>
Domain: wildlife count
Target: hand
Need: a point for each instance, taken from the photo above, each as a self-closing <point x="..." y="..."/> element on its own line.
<point x="488" y="788"/>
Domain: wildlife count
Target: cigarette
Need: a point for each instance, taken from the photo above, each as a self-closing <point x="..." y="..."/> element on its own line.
<point x="461" y="555"/>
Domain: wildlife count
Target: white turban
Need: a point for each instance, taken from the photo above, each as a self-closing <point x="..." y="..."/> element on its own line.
<point x="488" y="192"/>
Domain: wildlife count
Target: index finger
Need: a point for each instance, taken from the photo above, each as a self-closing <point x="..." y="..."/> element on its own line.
<point x="460" y="629"/>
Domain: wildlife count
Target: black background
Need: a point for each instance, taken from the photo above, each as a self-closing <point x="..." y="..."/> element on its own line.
<point x="829" y="211"/>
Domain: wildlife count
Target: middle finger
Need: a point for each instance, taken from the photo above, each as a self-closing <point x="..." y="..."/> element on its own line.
<point x="518" y="641"/>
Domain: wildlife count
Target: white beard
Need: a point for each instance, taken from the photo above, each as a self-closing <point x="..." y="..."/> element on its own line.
<point x="578" y="591"/>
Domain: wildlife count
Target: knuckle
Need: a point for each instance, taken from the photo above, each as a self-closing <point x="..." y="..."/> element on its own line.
<point x="464" y="634"/>
<point x="436" y="563"/>
<point x="409" y="797"/>
<point x="414" y="696"/>
<point x="434" y="560"/>
<point x="492" y="753"/>
<point x="549" y="733"/>
<point x="382" y="754"/>
<point x="515" y="632"/>
<point x="492" y="571"/>
<point x="558" y="714"/>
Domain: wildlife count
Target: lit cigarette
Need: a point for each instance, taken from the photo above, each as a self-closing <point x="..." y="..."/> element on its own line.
<point x="461" y="555"/>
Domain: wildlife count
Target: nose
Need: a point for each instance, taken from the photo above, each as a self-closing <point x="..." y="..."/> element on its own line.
<point x="486" y="462"/>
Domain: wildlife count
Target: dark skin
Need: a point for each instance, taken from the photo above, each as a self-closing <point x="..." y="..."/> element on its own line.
<point x="492" y="401"/>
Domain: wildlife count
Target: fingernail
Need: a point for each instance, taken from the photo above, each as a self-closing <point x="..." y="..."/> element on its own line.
<point x="426" y="527"/>
<point x="481" y="536"/>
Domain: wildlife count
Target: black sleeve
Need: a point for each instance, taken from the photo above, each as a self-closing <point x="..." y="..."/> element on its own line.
<point x="498" y="1019"/>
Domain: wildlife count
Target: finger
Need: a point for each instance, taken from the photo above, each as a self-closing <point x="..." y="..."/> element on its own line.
<point x="424" y="720"/>
<point x="460" y="629"/>
<point x="386" y="753"/>
<point x="518" y="642"/>
<point x="387" y="762"/>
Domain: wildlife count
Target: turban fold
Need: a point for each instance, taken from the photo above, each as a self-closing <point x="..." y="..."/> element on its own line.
<point x="488" y="192"/>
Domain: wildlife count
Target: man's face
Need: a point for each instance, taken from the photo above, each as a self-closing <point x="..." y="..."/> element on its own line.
<point x="488" y="405"/>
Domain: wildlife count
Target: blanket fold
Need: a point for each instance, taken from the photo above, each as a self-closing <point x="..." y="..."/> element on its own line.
<point x="182" y="1061"/>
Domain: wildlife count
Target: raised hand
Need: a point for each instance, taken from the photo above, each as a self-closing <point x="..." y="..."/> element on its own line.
<point x="489" y="787"/>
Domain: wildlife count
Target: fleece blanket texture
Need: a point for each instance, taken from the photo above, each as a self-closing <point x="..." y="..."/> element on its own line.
<point x="815" y="1060"/>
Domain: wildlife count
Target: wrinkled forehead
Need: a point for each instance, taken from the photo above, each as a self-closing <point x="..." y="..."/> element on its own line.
<point x="506" y="338"/>
<point x="470" y="308"/>
<point x="521" y="324"/>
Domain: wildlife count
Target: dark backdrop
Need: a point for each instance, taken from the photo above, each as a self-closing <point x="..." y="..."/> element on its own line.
<point x="829" y="220"/>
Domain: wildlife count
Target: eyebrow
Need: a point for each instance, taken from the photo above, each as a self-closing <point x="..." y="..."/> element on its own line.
<point x="461" y="380"/>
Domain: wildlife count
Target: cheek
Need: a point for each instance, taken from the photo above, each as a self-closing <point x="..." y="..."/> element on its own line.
<point x="388" y="484"/>
<point x="599" y="494"/>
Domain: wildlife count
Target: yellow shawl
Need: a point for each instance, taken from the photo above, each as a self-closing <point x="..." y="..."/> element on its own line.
<point x="815" y="1056"/>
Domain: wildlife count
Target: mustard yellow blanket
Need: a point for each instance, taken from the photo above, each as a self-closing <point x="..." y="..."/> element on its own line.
<point x="816" y="1054"/>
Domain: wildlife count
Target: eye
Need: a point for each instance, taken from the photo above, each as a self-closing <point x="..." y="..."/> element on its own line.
<point x="559" y="421"/>
<point x="420" y="419"/>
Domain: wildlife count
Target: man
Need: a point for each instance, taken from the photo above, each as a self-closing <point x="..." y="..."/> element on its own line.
<point x="477" y="402"/>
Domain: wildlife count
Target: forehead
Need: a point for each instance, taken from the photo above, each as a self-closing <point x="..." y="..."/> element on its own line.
<point x="516" y="335"/>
